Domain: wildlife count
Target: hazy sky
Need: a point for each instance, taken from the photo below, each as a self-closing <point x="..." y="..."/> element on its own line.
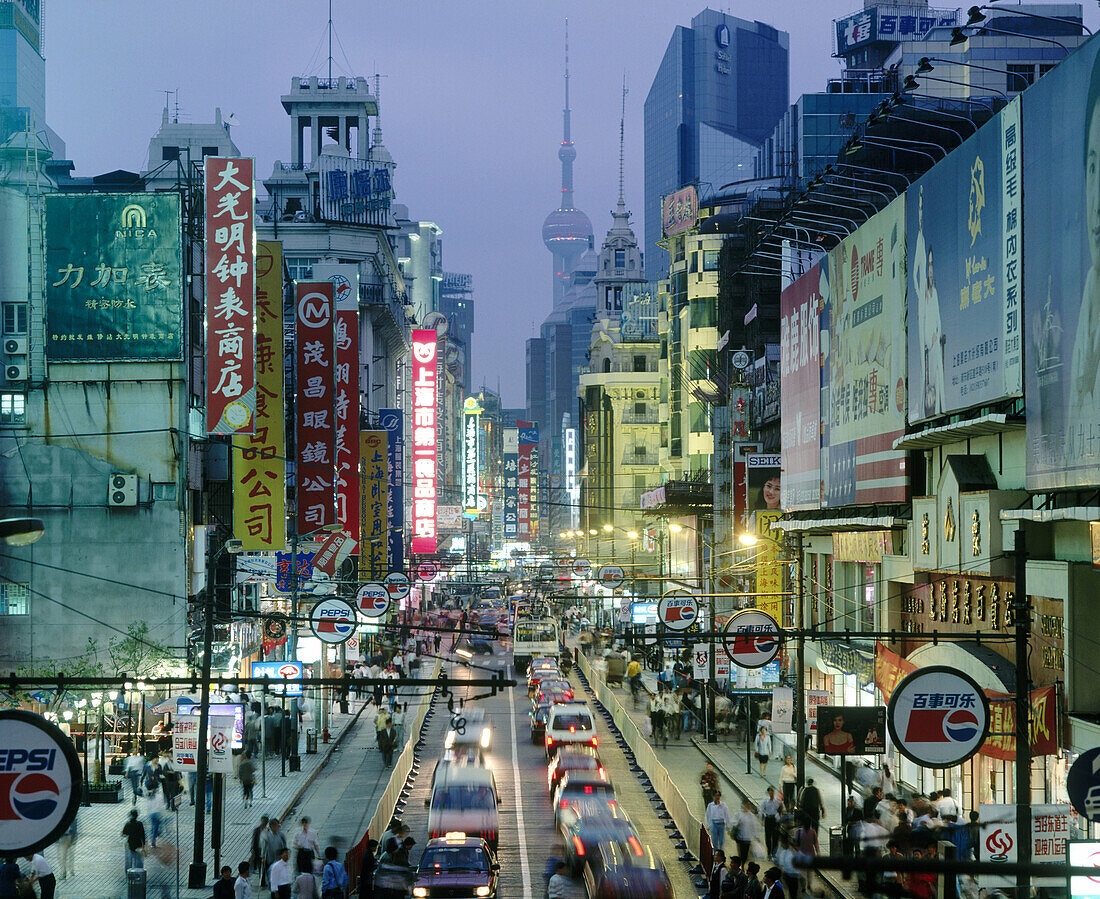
<point x="471" y="108"/>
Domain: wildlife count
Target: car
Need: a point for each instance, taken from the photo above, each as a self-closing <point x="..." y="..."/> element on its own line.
<point x="581" y="786"/>
<point x="464" y="799"/>
<point x="456" y="864"/>
<point x="457" y="756"/>
<point x="615" y="869"/>
<point x="555" y="685"/>
<point x="569" y="723"/>
<point x="586" y="824"/>
<point x="469" y="727"/>
<point x="571" y="758"/>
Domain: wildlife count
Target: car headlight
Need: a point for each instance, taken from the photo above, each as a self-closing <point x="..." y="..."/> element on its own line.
<point x="420" y="891"/>
<point x="482" y="891"/>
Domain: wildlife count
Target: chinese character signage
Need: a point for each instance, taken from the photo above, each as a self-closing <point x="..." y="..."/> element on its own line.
<point x="679" y="211"/>
<point x="285" y="571"/>
<point x="374" y="479"/>
<point x="354" y="191"/>
<point x="345" y="291"/>
<point x="471" y="423"/>
<point x="392" y="421"/>
<point x="230" y="296"/>
<point x="889" y="23"/>
<point x="114" y="288"/>
<point x="572" y="488"/>
<point x="510" y="459"/>
<point x="528" y="441"/>
<point x="424" y="386"/>
<point x="1061" y="261"/>
<point x="316" y="436"/>
<point x="259" y="466"/>
<point x="964" y="297"/>
<point x="801" y="309"/>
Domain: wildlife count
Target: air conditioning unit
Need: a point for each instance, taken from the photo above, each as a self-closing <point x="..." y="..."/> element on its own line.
<point x="16" y="371"/>
<point x="122" y="489"/>
<point x="15" y="346"/>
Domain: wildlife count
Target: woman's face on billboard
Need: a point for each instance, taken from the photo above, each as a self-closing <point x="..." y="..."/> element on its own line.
<point x="1092" y="187"/>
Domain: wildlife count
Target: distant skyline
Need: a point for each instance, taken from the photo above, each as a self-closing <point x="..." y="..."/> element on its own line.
<point x="471" y="100"/>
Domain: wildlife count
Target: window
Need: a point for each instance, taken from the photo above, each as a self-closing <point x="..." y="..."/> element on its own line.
<point x="606" y="366"/>
<point x="300" y="267"/>
<point x="1045" y="67"/>
<point x="620" y="259"/>
<point x="15" y="599"/>
<point x="639" y="408"/>
<point x="15" y="318"/>
<point x="710" y="260"/>
<point x="209" y="151"/>
<point x="618" y="299"/>
<point x="639" y="364"/>
<point x="169" y="153"/>
<point x="13" y="409"/>
<point x="639" y="449"/>
<point x="694" y="267"/>
<point x="164" y="491"/>
<point x="1018" y="73"/>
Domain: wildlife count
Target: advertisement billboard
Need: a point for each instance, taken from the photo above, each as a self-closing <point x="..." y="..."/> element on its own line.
<point x="316" y="436"/>
<point x="424" y="374"/>
<point x="679" y="211"/>
<point x="762" y="477"/>
<point x="851" y="730"/>
<point x="471" y="426"/>
<point x="801" y="306"/>
<point x="114" y="284"/>
<point x="511" y="482"/>
<point x="375" y="487"/>
<point x="259" y="459"/>
<point x="863" y="396"/>
<point x="963" y="285"/>
<point x="230" y="237"/>
<point x="1061" y="143"/>
<point x="528" y="445"/>
<point x="889" y="23"/>
<point x="392" y="421"/>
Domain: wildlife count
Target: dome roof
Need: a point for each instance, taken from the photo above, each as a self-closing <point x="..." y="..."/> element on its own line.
<point x="566" y="226"/>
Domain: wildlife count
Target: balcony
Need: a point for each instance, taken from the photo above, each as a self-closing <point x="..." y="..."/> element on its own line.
<point x="649" y="417"/>
<point x="646" y="457"/>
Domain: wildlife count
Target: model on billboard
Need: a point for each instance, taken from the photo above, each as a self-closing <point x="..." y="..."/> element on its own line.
<point x="930" y="390"/>
<point x="838" y="740"/>
<point x="1085" y="373"/>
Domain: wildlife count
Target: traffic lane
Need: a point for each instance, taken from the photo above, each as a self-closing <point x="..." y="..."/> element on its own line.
<point x="527" y="837"/>
<point x="632" y="798"/>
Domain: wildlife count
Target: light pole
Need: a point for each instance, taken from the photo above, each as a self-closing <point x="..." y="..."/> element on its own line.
<point x="712" y="675"/>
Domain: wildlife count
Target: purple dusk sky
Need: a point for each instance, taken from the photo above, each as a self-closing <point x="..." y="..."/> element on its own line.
<point x="471" y="108"/>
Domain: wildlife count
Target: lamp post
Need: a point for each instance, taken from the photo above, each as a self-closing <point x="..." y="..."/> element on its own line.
<point x="83" y="705"/>
<point x="711" y="723"/>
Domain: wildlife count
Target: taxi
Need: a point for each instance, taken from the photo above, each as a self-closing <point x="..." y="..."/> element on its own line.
<point x="456" y="864"/>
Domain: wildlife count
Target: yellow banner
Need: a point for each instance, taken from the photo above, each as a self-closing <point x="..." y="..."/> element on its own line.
<point x="372" y="505"/>
<point x="259" y="465"/>
<point x="769" y="570"/>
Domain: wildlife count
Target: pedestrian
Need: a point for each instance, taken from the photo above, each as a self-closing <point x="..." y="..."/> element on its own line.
<point x="394" y="827"/>
<point x="806" y="846"/>
<point x="367" y="865"/>
<point x="279" y="877"/>
<point x="242" y="889"/>
<point x="753" y="889"/>
<point x="256" y="854"/>
<point x="771" y="809"/>
<point x="402" y="855"/>
<point x="387" y="742"/>
<point x="560" y="885"/>
<point x="398" y="719"/>
<point x="154" y="810"/>
<point x="773" y="886"/>
<point x="223" y="886"/>
<point x="708" y="783"/>
<point x="305" y="847"/>
<point x="870" y="803"/>
<point x="788" y="781"/>
<point x="886" y="780"/>
<point x="65" y="850"/>
<point x="274" y="844"/>
<point x="748" y="828"/>
<point x="246" y="774"/>
<point x="810" y="803"/>
<point x="304" y="886"/>
<point x="42" y="874"/>
<point x="763" y="749"/>
<point x="334" y="879"/>
<point x="10" y="875"/>
<point x="134" y="832"/>
<point x="717" y="875"/>
<point x="252" y="731"/>
<point x="657" y="718"/>
<point x="717" y="817"/>
<point x="851" y="821"/>
<point x="946" y="806"/>
<point x="133" y="768"/>
<point x="674" y="709"/>
<point x="974" y="831"/>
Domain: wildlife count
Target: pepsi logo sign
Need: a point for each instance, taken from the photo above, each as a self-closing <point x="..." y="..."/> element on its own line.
<point x="373" y="600"/>
<point x="938" y="717"/>
<point x="610" y="576"/>
<point x="677" y="611"/>
<point x="582" y="568"/>
<point x="332" y="620"/>
<point x="398" y="584"/>
<point x="751" y="638"/>
<point x="39" y="782"/>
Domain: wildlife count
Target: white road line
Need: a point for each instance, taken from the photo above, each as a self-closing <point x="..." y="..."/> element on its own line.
<point x="525" y="868"/>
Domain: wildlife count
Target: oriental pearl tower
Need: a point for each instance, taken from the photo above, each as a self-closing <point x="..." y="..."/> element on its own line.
<point x="567" y="232"/>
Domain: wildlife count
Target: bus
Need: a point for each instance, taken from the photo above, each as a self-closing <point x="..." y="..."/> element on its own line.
<point x="531" y="638"/>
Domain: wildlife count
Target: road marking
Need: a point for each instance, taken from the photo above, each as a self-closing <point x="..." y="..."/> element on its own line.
<point x="525" y="868"/>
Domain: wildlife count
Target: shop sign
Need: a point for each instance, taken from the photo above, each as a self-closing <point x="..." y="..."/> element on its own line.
<point x="316" y="432"/>
<point x="890" y="670"/>
<point x="938" y="717"/>
<point x="782" y="710"/>
<point x="862" y="546"/>
<point x="678" y="610"/>
<point x="220" y="744"/>
<point x="700" y="662"/>
<point x="374" y="488"/>
<point x="471" y="423"/>
<point x="848" y="660"/>
<point x="185" y="742"/>
<point x="957" y="605"/>
<point x="277" y="671"/>
<point x="814" y="700"/>
<point x="1051" y="826"/>
<point x="392" y="421"/>
<point x="679" y="211"/>
<point x="1044" y="735"/>
<point x="751" y="638"/>
<point x="1085" y="854"/>
<point x="425" y="376"/>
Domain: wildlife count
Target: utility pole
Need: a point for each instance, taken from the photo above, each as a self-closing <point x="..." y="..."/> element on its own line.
<point x="1021" y="617"/>
<point x="196" y="875"/>
<point x="800" y="673"/>
<point x="712" y="649"/>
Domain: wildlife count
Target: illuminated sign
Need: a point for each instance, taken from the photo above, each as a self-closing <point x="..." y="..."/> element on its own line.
<point x="679" y="211"/>
<point x="424" y="386"/>
<point x="572" y="491"/>
<point x="471" y="423"/>
<point x="315" y="474"/>
<point x="511" y="482"/>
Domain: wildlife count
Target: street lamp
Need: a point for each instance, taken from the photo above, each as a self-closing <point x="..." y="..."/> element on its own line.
<point x="21" y="531"/>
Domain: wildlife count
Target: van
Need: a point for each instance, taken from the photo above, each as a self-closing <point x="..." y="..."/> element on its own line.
<point x="464" y="799"/>
<point x="569" y="724"/>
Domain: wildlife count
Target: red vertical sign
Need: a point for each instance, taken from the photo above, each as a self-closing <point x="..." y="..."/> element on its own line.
<point x="315" y="406"/>
<point x="347" y="416"/>
<point x="230" y="296"/>
<point x="425" y="389"/>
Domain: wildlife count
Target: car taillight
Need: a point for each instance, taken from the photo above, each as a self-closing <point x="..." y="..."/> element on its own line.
<point x="564" y="803"/>
<point x="595" y="741"/>
<point x="549" y="741"/>
<point x="603" y="774"/>
<point x="572" y="729"/>
<point x="611" y="803"/>
<point x="588" y="789"/>
<point x="635" y="845"/>
<point x="578" y="845"/>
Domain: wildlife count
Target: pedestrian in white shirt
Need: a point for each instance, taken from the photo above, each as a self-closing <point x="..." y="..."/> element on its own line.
<point x="717" y="819"/>
<point x="946" y="806"/>
<point x="242" y="889"/>
<point x="279" y="878"/>
<point x="42" y="874"/>
<point x="305" y="847"/>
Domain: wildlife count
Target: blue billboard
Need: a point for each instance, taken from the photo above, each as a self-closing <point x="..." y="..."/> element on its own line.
<point x="392" y="421"/>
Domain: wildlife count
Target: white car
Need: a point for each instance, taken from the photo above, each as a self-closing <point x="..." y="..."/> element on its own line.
<point x="569" y="724"/>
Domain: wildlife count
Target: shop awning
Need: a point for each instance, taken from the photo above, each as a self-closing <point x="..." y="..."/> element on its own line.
<point x="839" y="524"/>
<point x="990" y="669"/>
<point x="992" y="423"/>
<point x="1071" y="513"/>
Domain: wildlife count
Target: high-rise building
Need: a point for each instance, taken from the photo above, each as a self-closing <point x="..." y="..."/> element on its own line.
<point x="456" y="301"/>
<point x="719" y="91"/>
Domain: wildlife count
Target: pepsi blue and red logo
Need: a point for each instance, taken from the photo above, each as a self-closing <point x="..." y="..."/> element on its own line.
<point x="28" y="795"/>
<point x="751" y="638"/>
<point x="333" y="620"/>
<point x="374" y="600"/>
<point x="938" y="717"/>
<point x="941" y="726"/>
<point x="678" y="612"/>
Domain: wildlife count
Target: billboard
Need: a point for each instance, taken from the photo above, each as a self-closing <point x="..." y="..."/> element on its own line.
<point x="471" y="426"/>
<point x="863" y="391"/>
<point x="801" y="306"/>
<point x="375" y="487"/>
<point x="114" y="287"/>
<point x="851" y="730"/>
<point x="259" y="459"/>
<point x="1061" y="144"/>
<point x="511" y="482"/>
<point x="230" y="238"/>
<point x="963" y="285"/>
<point x="889" y="23"/>
<point x="679" y="211"/>
<point x="424" y="374"/>
<point x="392" y="421"/>
<point x="316" y="436"/>
<point x="528" y="438"/>
<point x="762" y="511"/>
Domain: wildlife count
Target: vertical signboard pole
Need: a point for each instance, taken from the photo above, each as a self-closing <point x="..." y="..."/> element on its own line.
<point x="1022" y="620"/>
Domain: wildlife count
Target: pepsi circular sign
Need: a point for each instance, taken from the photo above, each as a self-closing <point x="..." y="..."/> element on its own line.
<point x="373" y="600"/>
<point x="332" y="620"/>
<point x="751" y="638"/>
<point x="582" y="568"/>
<point x="398" y="583"/>
<point x="40" y="782"/>
<point x="938" y="717"/>
<point x="610" y="576"/>
<point x="1083" y="784"/>
<point x="426" y="571"/>
<point x="678" y="611"/>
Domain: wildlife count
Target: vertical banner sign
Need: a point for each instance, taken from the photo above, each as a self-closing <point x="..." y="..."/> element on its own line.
<point x="347" y="415"/>
<point x="316" y="443"/>
<point x="471" y="423"/>
<point x="511" y="482"/>
<point x="220" y="741"/>
<point x="801" y="306"/>
<point x="528" y="440"/>
<point x="373" y="503"/>
<point x="259" y="466"/>
<point x="230" y="296"/>
<point x="533" y="518"/>
<point x="392" y="421"/>
<point x="425" y="385"/>
<point x="572" y="491"/>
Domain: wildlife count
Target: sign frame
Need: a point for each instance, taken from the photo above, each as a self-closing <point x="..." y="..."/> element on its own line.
<point x="315" y="623"/>
<point x="899" y="694"/>
<point x="665" y="602"/>
<point x="745" y="615"/>
<point x="606" y="576"/>
<point x="362" y="594"/>
<point x="397" y="580"/>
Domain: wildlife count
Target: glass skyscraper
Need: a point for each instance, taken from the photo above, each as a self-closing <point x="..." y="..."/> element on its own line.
<point x="720" y="89"/>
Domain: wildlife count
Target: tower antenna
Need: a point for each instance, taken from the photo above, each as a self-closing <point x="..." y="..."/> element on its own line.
<point x="622" y="126"/>
<point x="330" y="41"/>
